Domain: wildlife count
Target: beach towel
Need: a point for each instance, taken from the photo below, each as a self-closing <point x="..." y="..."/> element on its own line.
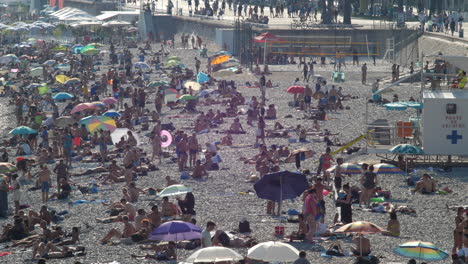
<point x="2" y="254"/>
<point x="324" y="255"/>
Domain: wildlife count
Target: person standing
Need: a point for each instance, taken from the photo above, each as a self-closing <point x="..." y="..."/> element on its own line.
<point x="310" y="212"/>
<point x="197" y="65"/>
<point x="260" y="131"/>
<point x="44" y="179"/>
<point x="193" y="149"/>
<point x="345" y="206"/>
<point x="4" y="188"/>
<point x="364" y="73"/>
<point x="305" y="70"/>
<point x="411" y="69"/>
<point x="263" y="88"/>
<point x="62" y="172"/>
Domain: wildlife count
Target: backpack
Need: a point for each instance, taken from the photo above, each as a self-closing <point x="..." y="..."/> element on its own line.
<point x="244" y="227"/>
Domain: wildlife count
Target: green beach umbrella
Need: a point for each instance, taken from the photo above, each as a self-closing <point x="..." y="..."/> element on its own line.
<point x="173" y="190"/>
<point x="22" y="130"/>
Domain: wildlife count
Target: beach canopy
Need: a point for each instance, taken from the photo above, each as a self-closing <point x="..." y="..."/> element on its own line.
<point x="347" y="168"/>
<point x="174" y="190"/>
<point x="22" y="130"/>
<point x="360" y="227"/>
<point x="214" y="254"/>
<point x="176" y="231"/>
<point x="273" y="251"/>
<point x="62" y="96"/>
<point x="424" y="251"/>
<point x="296" y="89"/>
<point x="267" y="37"/>
<point x="407" y="149"/>
<point x="281" y="185"/>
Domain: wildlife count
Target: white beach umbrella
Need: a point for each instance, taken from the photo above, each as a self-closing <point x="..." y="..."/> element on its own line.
<point x="273" y="251"/>
<point x="174" y="190"/>
<point x="214" y="254"/>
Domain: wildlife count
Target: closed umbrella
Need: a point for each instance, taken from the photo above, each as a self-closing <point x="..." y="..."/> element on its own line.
<point x="214" y="254"/>
<point x="424" y="251"/>
<point x="22" y="130"/>
<point x="174" y="190"/>
<point x="273" y="251"/>
<point x="176" y="231"/>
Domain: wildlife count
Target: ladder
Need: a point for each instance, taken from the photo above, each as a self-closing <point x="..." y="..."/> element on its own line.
<point x="390" y="50"/>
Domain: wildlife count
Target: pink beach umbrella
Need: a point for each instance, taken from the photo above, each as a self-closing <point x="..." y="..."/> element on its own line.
<point x="109" y="101"/>
<point x="81" y="107"/>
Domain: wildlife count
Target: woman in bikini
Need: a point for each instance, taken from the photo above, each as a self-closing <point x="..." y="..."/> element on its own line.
<point x="458" y="232"/>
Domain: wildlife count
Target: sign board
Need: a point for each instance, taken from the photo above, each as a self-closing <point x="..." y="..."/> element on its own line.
<point x="445" y="123"/>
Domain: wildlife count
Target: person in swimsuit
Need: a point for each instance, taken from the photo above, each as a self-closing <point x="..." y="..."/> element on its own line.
<point x="128" y="231"/>
<point x="458" y="232"/>
<point x="325" y="161"/>
<point x="393" y="226"/>
<point x="183" y="148"/>
<point x="193" y="149"/>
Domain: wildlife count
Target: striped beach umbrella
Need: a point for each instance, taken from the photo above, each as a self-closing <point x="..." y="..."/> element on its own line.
<point x="94" y="123"/>
<point x="385" y="168"/>
<point x="347" y="168"/>
<point x="425" y="251"/>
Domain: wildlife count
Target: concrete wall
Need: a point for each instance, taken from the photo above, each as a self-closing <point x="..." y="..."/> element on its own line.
<point x="92" y="7"/>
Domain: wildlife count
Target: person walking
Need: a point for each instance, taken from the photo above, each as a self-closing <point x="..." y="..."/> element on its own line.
<point x="364" y="73"/>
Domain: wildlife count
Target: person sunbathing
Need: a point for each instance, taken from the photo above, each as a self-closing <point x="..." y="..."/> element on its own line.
<point x="48" y="250"/>
<point x="271" y="112"/>
<point x="426" y="185"/>
<point x="128" y="230"/>
<point x="222" y="238"/>
<point x="126" y="210"/>
<point x="167" y="252"/>
<point x="335" y="249"/>
<point x="227" y="140"/>
<point x="168" y="209"/>
<point x="99" y="169"/>
<point x="363" y="246"/>
<point x="170" y="181"/>
<point x="236" y="127"/>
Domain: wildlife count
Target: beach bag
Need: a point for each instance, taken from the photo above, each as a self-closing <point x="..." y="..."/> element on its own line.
<point x="244" y="227"/>
<point x="279" y="230"/>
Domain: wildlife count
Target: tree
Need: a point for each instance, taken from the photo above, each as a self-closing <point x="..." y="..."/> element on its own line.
<point x="347" y="12"/>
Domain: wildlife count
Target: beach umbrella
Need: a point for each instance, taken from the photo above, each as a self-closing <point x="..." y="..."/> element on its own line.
<point x="220" y="59"/>
<point x="174" y="190"/>
<point x="223" y="73"/>
<point x="202" y="77"/>
<point x="223" y="52"/>
<point x="176" y="231"/>
<point x="172" y="63"/>
<point x="187" y="97"/>
<point x="6" y="167"/>
<point x="50" y="62"/>
<point x="194" y="85"/>
<point x="265" y="38"/>
<point x="63" y="67"/>
<point x="203" y="93"/>
<point x="90" y="52"/>
<point x="385" y="168"/>
<point x="214" y="254"/>
<point x="94" y="123"/>
<point x="60" y="54"/>
<point x="32" y="86"/>
<point x="395" y="106"/>
<point x="304" y="152"/>
<point x="97" y="104"/>
<point x="279" y="186"/>
<point x="72" y="81"/>
<point x="360" y="227"/>
<point x="62" y="96"/>
<point x="60" y="48"/>
<point x="38" y="71"/>
<point x="43" y="88"/>
<point x="96" y="45"/>
<point x="24" y="57"/>
<point x="174" y="58"/>
<point x="118" y="133"/>
<point x="170" y="91"/>
<point x="80" y="107"/>
<point x="348" y="168"/>
<point x="296" y="89"/>
<point x="273" y="251"/>
<point x="407" y="149"/>
<point x="22" y="130"/>
<point x="132" y="30"/>
<point x="424" y="251"/>
<point x="109" y="101"/>
<point x="8" y="58"/>
<point x="111" y="113"/>
<point x="142" y="65"/>
<point x="158" y="83"/>
<point x="62" y="78"/>
<point x="64" y="121"/>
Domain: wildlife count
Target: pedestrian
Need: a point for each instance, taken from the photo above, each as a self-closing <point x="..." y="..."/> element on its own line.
<point x="364" y="73"/>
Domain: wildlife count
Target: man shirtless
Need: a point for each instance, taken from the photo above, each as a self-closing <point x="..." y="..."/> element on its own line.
<point x="363" y="246"/>
<point x="236" y="127"/>
<point x="114" y="173"/>
<point x="193" y="149"/>
<point x="183" y="148"/>
<point x="134" y="192"/>
<point x="168" y="209"/>
<point x="128" y="210"/>
<point x="170" y="181"/>
<point x="128" y="230"/>
<point x="44" y="179"/>
<point x="154" y="216"/>
<point x="426" y="185"/>
<point x="199" y="170"/>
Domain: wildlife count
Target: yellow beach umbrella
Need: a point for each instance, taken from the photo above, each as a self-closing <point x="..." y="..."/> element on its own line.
<point x="220" y="59"/>
<point x="62" y="78"/>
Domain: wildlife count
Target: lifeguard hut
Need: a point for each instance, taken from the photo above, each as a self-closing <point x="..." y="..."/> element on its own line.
<point x="439" y="125"/>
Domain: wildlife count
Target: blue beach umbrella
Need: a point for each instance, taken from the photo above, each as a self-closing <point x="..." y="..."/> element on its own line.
<point x="407" y="149"/>
<point x="62" y="96"/>
<point x="22" y="130"/>
<point x="112" y="114"/>
<point x="202" y="77"/>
